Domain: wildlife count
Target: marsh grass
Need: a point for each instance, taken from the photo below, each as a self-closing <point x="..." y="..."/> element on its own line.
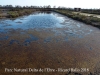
<point x="94" y="21"/>
<point x="14" y="14"/>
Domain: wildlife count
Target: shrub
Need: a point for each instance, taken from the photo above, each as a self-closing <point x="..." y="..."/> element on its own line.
<point x="13" y="14"/>
<point x="95" y="19"/>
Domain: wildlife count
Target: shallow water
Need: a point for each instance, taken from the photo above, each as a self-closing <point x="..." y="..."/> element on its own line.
<point x="43" y="40"/>
<point x="40" y="20"/>
<point x="53" y="21"/>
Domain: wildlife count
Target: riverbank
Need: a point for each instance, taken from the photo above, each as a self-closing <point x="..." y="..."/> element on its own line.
<point x="16" y="13"/>
<point x="94" y="21"/>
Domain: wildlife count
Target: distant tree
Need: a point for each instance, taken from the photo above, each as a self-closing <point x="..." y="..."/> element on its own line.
<point x="18" y="6"/>
<point x="54" y="7"/>
<point x="0" y="6"/>
<point x="7" y="6"/>
<point x="32" y="6"/>
<point x="24" y="7"/>
<point x="44" y="6"/>
<point x="48" y="6"/>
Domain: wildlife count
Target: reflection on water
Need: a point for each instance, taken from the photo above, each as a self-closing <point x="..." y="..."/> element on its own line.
<point x="57" y="23"/>
<point x="45" y="20"/>
<point x="36" y="20"/>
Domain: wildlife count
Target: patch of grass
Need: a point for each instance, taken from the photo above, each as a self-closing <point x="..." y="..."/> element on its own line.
<point x="14" y="14"/>
<point x="95" y="19"/>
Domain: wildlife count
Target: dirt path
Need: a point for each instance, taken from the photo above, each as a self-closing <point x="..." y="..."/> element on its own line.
<point x="2" y="15"/>
<point x="86" y="14"/>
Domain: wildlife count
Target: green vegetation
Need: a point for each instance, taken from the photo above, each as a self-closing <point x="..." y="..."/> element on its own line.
<point x="14" y="14"/>
<point x="86" y="19"/>
<point x="91" y="11"/>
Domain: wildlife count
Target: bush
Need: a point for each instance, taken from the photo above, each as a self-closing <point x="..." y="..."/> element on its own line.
<point x="95" y="19"/>
<point x="17" y="13"/>
<point x="13" y="14"/>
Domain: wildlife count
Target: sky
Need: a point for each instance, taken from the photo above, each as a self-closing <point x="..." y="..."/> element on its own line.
<point x="65" y="3"/>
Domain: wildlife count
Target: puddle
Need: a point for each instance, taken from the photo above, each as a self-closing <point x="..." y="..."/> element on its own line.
<point x="18" y="22"/>
<point x="47" y="40"/>
<point x="3" y="31"/>
<point x="33" y="38"/>
<point x="58" y="40"/>
<point x="91" y="48"/>
<point x="29" y="40"/>
<point x="4" y="38"/>
<point x="66" y="39"/>
<point x="14" y="42"/>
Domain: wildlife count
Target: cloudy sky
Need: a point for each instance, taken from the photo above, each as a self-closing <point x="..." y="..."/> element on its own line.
<point x="65" y="3"/>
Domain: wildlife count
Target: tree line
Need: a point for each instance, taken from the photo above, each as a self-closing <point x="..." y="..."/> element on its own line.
<point x="48" y="7"/>
<point x="18" y="6"/>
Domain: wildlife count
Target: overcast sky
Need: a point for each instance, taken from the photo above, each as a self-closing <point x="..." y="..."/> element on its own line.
<point x="65" y="3"/>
